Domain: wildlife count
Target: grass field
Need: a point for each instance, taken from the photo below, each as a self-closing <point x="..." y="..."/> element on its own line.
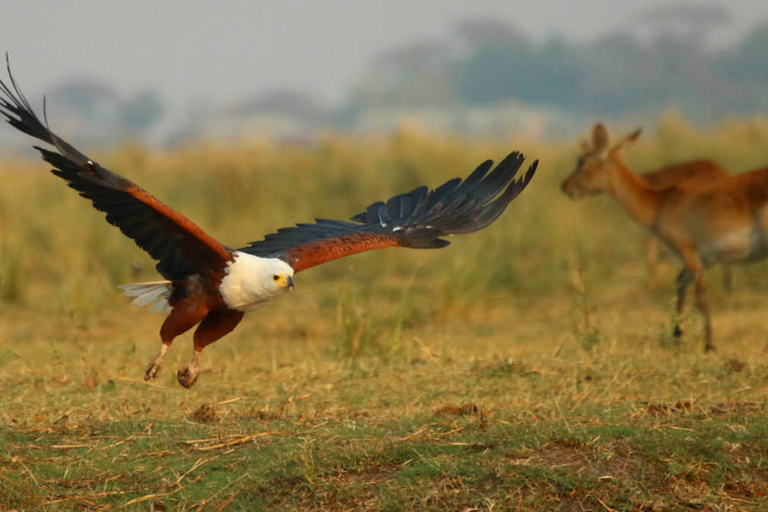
<point x="528" y="366"/>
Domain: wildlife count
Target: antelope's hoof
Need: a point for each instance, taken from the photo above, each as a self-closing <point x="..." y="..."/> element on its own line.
<point x="186" y="376"/>
<point x="678" y="332"/>
<point x="709" y="348"/>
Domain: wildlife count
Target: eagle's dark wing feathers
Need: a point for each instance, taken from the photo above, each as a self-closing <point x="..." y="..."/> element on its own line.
<point x="416" y="219"/>
<point x="180" y="247"/>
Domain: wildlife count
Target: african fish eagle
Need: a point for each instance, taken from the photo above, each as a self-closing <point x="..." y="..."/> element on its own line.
<point x="209" y="284"/>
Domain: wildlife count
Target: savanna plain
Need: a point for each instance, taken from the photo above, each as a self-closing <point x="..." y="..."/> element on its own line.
<point x="527" y="366"/>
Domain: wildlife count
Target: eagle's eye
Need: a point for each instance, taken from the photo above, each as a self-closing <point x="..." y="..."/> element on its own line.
<point x="275" y="277"/>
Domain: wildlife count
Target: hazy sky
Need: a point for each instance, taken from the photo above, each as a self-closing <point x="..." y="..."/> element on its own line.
<point x="229" y="49"/>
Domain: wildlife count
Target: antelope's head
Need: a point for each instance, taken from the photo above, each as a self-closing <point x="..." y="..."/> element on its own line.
<point x="595" y="164"/>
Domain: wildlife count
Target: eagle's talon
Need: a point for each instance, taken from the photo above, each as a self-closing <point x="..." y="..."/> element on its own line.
<point x="154" y="366"/>
<point x="187" y="376"/>
<point x="153" y="369"/>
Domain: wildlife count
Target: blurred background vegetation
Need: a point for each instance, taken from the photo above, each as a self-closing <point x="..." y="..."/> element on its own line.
<point x="238" y="193"/>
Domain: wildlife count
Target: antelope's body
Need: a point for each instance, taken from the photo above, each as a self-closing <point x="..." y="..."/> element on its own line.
<point x="696" y="174"/>
<point x="724" y="222"/>
<point x="727" y="223"/>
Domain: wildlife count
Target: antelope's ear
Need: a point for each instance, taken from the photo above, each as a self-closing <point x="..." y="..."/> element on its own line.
<point x="629" y="140"/>
<point x="632" y="137"/>
<point x="599" y="137"/>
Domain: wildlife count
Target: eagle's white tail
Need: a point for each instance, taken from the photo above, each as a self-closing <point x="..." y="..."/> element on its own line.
<point x="146" y="293"/>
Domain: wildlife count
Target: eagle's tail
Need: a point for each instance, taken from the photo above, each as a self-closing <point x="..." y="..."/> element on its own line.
<point x="146" y="293"/>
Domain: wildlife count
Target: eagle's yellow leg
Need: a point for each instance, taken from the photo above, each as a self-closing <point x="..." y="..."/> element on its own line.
<point x="184" y="315"/>
<point x="213" y="327"/>
<point x="154" y="367"/>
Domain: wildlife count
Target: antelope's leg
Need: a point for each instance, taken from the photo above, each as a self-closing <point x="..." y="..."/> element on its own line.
<point x="727" y="278"/>
<point x="702" y="302"/>
<point x="652" y="257"/>
<point x="213" y="327"/>
<point x="695" y="271"/>
<point x="684" y="279"/>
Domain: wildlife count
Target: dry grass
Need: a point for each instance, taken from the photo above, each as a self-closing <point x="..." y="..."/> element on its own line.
<point x="527" y="366"/>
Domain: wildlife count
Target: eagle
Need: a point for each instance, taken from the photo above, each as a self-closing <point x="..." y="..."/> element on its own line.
<point x="211" y="286"/>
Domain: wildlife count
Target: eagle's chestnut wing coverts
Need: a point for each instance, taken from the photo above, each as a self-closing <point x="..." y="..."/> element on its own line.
<point x="416" y="219"/>
<point x="180" y="247"/>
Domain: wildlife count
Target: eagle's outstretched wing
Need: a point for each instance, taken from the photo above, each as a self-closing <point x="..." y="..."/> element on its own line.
<point x="416" y="219"/>
<point x="180" y="247"/>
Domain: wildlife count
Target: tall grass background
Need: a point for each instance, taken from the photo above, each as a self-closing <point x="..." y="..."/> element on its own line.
<point x="57" y="254"/>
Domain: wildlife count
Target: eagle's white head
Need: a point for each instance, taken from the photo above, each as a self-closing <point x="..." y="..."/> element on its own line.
<point x="251" y="280"/>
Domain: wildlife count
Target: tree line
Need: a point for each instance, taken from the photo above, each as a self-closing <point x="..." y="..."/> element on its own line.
<point x="487" y="62"/>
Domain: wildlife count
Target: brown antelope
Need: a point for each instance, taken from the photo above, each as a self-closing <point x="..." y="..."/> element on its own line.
<point x="725" y="223"/>
<point x="697" y="173"/>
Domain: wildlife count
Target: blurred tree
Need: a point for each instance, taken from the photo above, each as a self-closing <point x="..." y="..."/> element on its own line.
<point x="282" y="102"/>
<point x="140" y="113"/>
<point x="617" y="74"/>
<point x="744" y="72"/>
<point x="483" y="32"/>
<point x="415" y="74"/>
<point x="662" y="60"/>
<point x="748" y="60"/>
<point x="514" y="69"/>
<point x="83" y="97"/>
<point x="95" y="114"/>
